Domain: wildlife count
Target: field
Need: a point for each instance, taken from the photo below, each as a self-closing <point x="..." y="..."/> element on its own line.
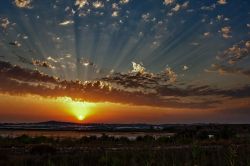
<point x="186" y="147"/>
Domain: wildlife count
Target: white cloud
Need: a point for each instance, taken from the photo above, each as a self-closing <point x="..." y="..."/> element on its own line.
<point x="226" y="32"/>
<point x="98" y="4"/>
<point x="81" y="3"/>
<point x="115" y="6"/>
<point x="176" y="8"/>
<point x="124" y="1"/>
<point x="115" y="13"/>
<point x="4" y="23"/>
<point x="67" y="22"/>
<point x="146" y="17"/>
<point x="247" y="44"/>
<point x="220" y="17"/>
<point x="138" y="68"/>
<point x="185" y="68"/>
<point x="206" y="34"/>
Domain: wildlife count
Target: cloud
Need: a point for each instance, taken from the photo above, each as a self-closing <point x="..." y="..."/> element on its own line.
<point x="236" y="53"/>
<point x="171" y="74"/>
<point x="98" y="4"/>
<point x="124" y="1"/>
<point x="15" y="43"/>
<point x="86" y="62"/>
<point x="81" y="3"/>
<point x="146" y="17"/>
<point x="23" y="3"/>
<point x="176" y="8"/>
<point x="4" y="23"/>
<point x="67" y="22"/>
<point x="115" y="6"/>
<point x="137" y="68"/>
<point x="209" y="8"/>
<point x="206" y="34"/>
<point x="222" y="2"/>
<point x="226" y="32"/>
<point x="115" y="13"/>
<point x="224" y="70"/>
<point x="44" y="64"/>
<point x="185" y="4"/>
<point x="128" y="88"/>
<point x="185" y="68"/>
<point x="168" y="2"/>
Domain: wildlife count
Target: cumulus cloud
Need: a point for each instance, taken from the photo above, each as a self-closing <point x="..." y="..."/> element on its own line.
<point x="81" y="3"/>
<point x="171" y="74"/>
<point x="23" y="3"/>
<point x="115" y="6"/>
<point x="226" y="32"/>
<point x="146" y="17"/>
<point x="4" y="23"/>
<point x="115" y="13"/>
<point x="206" y="34"/>
<point x="185" y="68"/>
<point x="137" y="68"/>
<point x="98" y="4"/>
<point x="236" y="53"/>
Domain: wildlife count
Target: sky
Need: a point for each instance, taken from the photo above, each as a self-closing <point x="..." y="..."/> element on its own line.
<point x="125" y="61"/>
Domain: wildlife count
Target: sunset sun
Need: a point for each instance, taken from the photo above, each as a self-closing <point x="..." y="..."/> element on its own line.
<point x="79" y="109"/>
<point x="81" y="117"/>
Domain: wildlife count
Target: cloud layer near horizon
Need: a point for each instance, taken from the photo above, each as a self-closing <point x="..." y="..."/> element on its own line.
<point x="137" y="87"/>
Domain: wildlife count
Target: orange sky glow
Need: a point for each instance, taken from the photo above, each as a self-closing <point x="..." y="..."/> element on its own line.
<point x="30" y="108"/>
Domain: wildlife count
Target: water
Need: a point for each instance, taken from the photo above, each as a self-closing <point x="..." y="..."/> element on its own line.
<point x="79" y="134"/>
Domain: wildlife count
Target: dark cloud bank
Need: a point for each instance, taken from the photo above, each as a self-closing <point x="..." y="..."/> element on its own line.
<point x="138" y="88"/>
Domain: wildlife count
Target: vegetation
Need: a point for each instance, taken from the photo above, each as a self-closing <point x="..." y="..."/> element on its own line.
<point x="185" y="148"/>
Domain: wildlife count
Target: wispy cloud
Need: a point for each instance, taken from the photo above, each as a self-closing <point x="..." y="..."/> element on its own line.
<point x="67" y="22"/>
<point x="44" y="64"/>
<point x="222" y="2"/>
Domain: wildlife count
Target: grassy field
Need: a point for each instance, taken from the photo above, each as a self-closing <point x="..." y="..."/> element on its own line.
<point x="183" y="149"/>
